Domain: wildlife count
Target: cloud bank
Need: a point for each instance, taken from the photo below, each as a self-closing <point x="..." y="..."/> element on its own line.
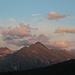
<point x="20" y="31"/>
<point x="22" y="36"/>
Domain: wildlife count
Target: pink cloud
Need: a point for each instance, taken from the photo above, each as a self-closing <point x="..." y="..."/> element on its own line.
<point x="53" y="15"/>
<point x="57" y="44"/>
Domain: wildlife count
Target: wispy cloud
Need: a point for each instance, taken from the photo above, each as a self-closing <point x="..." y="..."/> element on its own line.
<point x="38" y="14"/>
<point x="53" y="15"/>
<point x="11" y="20"/>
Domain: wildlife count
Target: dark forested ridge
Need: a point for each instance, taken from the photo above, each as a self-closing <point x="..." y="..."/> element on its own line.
<point x="63" y="68"/>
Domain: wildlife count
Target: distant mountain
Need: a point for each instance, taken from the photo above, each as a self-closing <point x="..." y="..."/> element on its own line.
<point x="4" y="51"/>
<point x="35" y="56"/>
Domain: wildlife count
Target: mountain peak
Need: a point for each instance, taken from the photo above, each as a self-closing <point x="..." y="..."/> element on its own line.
<point x="38" y="43"/>
<point x="25" y="47"/>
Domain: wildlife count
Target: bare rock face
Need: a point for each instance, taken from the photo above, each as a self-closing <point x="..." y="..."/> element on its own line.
<point x="35" y="56"/>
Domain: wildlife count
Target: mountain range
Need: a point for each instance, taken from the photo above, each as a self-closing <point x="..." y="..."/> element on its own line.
<point x="35" y="56"/>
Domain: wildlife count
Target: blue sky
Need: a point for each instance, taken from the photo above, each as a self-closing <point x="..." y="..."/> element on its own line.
<point x="25" y="8"/>
<point x="52" y="19"/>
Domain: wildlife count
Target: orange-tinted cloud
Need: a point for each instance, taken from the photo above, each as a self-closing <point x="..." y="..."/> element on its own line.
<point x="65" y="30"/>
<point x="53" y="15"/>
<point x="57" y="44"/>
<point x="61" y="44"/>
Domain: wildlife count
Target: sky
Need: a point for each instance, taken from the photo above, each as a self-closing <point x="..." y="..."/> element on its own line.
<point x="24" y="22"/>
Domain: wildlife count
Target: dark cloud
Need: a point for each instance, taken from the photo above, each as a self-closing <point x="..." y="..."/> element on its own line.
<point x="8" y="38"/>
